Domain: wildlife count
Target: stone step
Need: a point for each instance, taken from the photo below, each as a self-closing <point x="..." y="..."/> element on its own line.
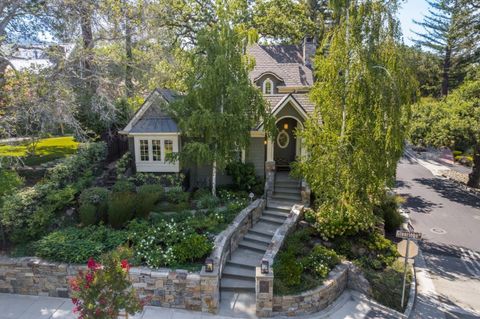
<point x="236" y="272"/>
<point x="261" y="232"/>
<point x="286" y="196"/>
<point x="282" y="177"/>
<point x="276" y="213"/>
<point x="287" y="190"/>
<point x="258" y="247"/>
<point x="273" y="204"/>
<point x="239" y="265"/>
<point x="232" y="284"/>
<point x="257" y="239"/>
<point x="262" y="227"/>
<point x="247" y="257"/>
<point x="288" y="184"/>
<point x="272" y="220"/>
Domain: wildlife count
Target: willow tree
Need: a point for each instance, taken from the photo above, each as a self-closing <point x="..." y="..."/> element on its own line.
<point x="362" y="93"/>
<point x="221" y="105"/>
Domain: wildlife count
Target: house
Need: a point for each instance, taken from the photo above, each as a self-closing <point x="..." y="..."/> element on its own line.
<point x="282" y="72"/>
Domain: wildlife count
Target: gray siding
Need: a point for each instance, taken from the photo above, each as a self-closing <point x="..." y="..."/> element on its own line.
<point x="256" y="155"/>
<point x="202" y="177"/>
<point x="289" y="110"/>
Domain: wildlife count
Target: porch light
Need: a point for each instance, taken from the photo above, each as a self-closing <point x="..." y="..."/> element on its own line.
<point x="251" y="196"/>
<point x="265" y="142"/>
<point x="265" y="266"/>
<point x="209" y="265"/>
<point x="285" y="126"/>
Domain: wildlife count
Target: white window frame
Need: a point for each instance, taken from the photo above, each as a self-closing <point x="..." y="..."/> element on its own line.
<point x="162" y="165"/>
<point x="268" y="80"/>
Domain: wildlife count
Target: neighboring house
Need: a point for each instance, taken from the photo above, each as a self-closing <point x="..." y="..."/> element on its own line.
<point x="282" y="72"/>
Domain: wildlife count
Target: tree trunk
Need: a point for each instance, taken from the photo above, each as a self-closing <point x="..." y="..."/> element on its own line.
<point x="446" y="71"/>
<point x="3" y="69"/>
<point x="214" y="178"/>
<point x="129" y="56"/>
<point x="474" y="176"/>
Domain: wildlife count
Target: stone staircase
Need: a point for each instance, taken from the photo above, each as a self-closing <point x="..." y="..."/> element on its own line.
<point x="239" y="272"/>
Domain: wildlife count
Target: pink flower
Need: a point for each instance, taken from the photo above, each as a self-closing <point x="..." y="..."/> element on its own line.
<point x="91" y="264"/>
<point x="125" y="264"/>
<point x="89" y="277"/>
<point x="76" y="309"/>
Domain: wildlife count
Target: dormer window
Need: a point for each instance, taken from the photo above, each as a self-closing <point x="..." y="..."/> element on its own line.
<point x="267" y="86"/>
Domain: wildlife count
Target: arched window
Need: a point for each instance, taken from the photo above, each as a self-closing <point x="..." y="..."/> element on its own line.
<point x="267" y="86"/>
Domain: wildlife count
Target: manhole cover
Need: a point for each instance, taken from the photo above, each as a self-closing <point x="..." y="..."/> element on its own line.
<point x="437" y="230"/>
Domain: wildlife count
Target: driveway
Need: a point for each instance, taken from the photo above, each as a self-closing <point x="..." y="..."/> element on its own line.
<point x="449" y="219"/>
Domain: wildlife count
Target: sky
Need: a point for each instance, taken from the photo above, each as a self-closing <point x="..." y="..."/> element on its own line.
<point x="412" y="9"/>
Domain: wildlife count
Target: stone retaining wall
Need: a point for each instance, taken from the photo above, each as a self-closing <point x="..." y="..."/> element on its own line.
<point x="165" y="287"/>
<point x="316" y="299"/>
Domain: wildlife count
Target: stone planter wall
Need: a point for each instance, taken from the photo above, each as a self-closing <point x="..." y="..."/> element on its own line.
<point x="316" y="299"/>
<point x="165" y="287"/>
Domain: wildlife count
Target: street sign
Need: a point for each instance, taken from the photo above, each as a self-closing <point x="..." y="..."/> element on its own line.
<point x="412" y="248"/>
<point x="408" y="234"/>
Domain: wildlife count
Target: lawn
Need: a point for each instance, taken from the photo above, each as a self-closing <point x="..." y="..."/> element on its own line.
<point x="48" y="149"/>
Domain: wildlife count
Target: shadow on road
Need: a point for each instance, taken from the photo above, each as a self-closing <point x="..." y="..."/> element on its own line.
<point x="418" y="204"/>
<point x="450" y="191"/>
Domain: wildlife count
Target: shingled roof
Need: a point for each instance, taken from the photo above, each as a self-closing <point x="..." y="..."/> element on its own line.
<point x="285" y="61"/>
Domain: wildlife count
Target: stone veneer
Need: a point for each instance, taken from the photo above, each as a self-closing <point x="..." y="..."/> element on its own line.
<point x="316" y="299"/>
<point x="198" y="291"/>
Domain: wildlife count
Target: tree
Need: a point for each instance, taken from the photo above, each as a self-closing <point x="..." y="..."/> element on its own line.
<point x="355" y="136"/>
<point x="222" y="105"/>
<point x="426" y="66"/>
<point x="453" y="122"/>
<point x="450" y="31"/>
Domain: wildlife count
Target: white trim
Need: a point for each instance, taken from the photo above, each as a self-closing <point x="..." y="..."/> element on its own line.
<point x="264" y="86"/>
<point x="289" y="117"/>
<point x="283" y="132"/>
<point x="161" y="166"/>
<point x="283" y="102"/>
<point x="267" y="73"/>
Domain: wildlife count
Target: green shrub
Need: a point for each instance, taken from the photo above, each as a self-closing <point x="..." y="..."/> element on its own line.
<point x="243" y="175"/>
<point x="166" y="180"/>
<point x="88" y="214"/>
<point x="388" y="211"/>
<point x="208" y="201"/>
<point x="147" y="197"/>
<point x="203" y="192"/>
<point x="121" y="208"/>
<point x="122" y="165"/>
<point x="97" y="197"/>
<point x="76" y="245"/>
<point x="288" y="270"/>
<point x="123" y="186"/>
<point x="320" y="261"/>
<point x="9" y="181"/>
<point x="30" y="212"/>
<point x="176" y="195"/>
<point x="387" y="285"/>
<point x="191" y="248"/>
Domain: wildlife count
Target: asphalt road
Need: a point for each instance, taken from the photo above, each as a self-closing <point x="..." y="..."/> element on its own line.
<point x="449" y="219"/>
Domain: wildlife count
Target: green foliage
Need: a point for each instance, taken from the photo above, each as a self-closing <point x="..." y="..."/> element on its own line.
<point x="123" y="186"/>
<point x="30" y="212"/>
<point x="387" y="285"/>
<point x="192" y="248"/>
<point x="355" y="135"/>
<point x="176" y="195"/>
<point x="222" y="104"/>
<point x="9" y="181"/>
<point x="320" y="261"/>
<point x="243" y="175"/>
<point x="104" y="290"/>
<point x="123" y="164"/>
<point x="76" y="245"/>
<point x="147" y="197"/>
<point x="88" y="214"/>
<point x="287" y="269"/>
<point x="166" y="180"/>
<point x="121" y="208"/>
<point x="208" y="201"/>
<point x="388" y="211"/>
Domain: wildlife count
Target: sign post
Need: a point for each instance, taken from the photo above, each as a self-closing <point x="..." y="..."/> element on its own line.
<point x="408" y="235"/>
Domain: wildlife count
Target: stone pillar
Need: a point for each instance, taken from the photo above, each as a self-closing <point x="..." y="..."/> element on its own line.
<point x="305" y="192"/>
<point x="264" y="292"/>
<point x="269" y="178"/>
<point x="210" y="290"/>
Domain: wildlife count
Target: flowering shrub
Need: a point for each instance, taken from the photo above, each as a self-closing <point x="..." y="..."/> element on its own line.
<point x="166" y="180"/>
<point x="103" y="291"/>
<point x="122" y="164"/>
<point x="320" y="261"/>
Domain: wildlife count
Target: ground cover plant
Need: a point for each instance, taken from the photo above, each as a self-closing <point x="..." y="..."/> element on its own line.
<point x="303" y="263"/>
<point x="47" y="149"/>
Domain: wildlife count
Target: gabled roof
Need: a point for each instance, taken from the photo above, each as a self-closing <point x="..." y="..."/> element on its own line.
<point x="285" y="61"/>
<point x="153" y="120"/>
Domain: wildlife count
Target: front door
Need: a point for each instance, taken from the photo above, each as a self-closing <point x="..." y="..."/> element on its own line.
<point x="285" y="144"/>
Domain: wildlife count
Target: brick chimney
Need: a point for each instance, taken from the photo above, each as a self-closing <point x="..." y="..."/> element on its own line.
<point x="309" y="48"/>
